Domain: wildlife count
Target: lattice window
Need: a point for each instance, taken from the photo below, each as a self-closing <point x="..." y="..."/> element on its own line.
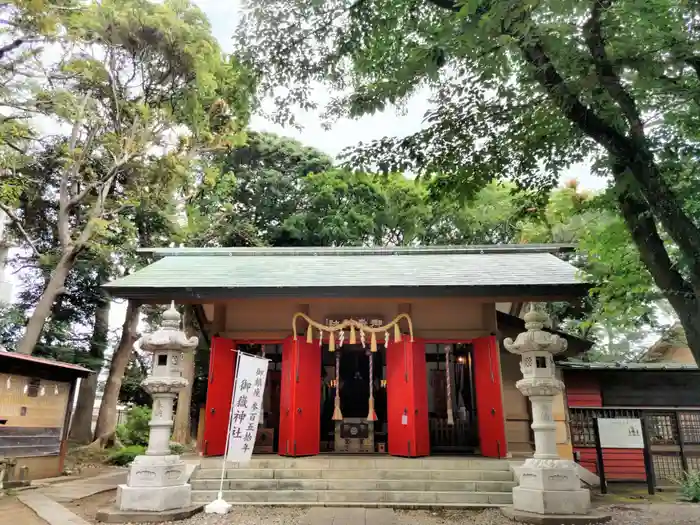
<point x="693" y="462"/>
<point x="667" y="467"/>
<point x="662" y="429"/>
<point x="690" y="427"/>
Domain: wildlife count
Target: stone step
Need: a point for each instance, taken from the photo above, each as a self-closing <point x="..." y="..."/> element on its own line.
<point x="355" y="484"/>
<point x="399" y="474"/>
<point x="366" y="463"/>
<point x="302" y="497"/>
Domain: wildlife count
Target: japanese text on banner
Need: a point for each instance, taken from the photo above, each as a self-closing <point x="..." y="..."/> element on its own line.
<point x="246" y="408"/>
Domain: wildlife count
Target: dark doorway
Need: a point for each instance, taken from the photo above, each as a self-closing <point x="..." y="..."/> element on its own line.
<point x="462" y="436"/>
<point x="354" y="391"/>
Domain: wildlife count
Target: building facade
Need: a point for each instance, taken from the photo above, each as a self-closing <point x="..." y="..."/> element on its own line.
<point x="392" y="351"/>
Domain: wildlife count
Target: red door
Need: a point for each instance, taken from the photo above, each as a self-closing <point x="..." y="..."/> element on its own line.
<point x="222" y="370"/>
<point x="407" y="399"/>
<point x="489" y="398"/>
<point x="300" y="398"/>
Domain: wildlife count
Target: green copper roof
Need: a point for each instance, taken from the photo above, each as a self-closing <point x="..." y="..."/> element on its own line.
<point x="241" y="272"/>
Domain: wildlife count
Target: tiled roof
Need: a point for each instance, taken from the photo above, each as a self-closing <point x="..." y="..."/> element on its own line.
<point x="274" y="270"/>
<point x="80" y="371"/>
<point x="669" y="366"/>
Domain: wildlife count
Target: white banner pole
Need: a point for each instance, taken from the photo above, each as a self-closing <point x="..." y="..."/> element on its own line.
<point x="219" y="506"/>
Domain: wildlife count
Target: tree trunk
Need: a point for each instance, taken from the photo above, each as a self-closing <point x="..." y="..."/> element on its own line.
<point x="107" y="418"/>
<point x="181" y="430"/>
<point x="81" y="428"/>
<point x="54" y="288"/>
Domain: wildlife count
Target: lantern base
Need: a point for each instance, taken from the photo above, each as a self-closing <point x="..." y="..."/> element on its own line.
<point x="154" y="499"/>
<point x="544" y="502"/>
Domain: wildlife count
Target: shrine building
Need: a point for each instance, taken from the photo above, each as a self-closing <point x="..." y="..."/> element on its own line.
<point x="392" y="351"/>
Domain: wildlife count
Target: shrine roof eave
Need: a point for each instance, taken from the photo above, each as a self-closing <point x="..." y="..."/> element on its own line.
<point x="186" y="294"/>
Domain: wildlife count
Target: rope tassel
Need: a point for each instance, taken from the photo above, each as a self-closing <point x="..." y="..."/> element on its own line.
<point x="372" y="415"/>
<point x="310" y="334"/>
<point x="448" y="376"/>
<point x="373" y="343"/>
<point x="353" y="336"/>
<point x="331" y="342"/>
<point x="397" y="333"/>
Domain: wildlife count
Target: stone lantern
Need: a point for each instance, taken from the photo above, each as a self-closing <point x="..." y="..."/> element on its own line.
<point x="158" y="481"/>
<point x="549" y="485"/>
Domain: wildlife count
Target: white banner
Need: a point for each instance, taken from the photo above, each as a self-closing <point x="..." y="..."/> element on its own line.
<point x="246" y="408"/>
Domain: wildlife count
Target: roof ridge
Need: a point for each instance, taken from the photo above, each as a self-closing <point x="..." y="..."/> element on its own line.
<point x="360" y="250"/>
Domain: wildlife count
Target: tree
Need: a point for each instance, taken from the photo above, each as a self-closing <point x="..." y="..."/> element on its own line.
<point x="144" y="89"/>
<point x="523" y="89"/>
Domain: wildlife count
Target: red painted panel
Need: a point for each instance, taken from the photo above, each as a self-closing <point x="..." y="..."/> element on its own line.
<point x="419" y="375"/>
<point x="300" y="399"/>
<point x="222" y="370"/>
<point x="407" y="399"/>
<point x="307" y="399"/>
<point x="398" y="399"/>
<point x="620" y="464"/>
<point x="489" y="398"/>
<point x="582" y="390"/>
<point x="286" y="437"/>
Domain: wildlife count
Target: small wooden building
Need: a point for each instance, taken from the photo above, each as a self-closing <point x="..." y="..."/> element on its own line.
<point x="665" y="394"/>
<point x="36" y="402"/>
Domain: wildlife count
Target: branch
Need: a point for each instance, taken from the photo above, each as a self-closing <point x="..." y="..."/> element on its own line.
<point x="450" y="5"/>
<point x="11" y="46"/>
<point x="18" y="224"/>
<point x="652" y="250"/>
<point x="606" y="72"/>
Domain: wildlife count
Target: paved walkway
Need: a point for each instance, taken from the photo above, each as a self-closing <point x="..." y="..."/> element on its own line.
<point x="50" y="511"/>
<point x="85" y="487"/>
<point x="47" y="502"/>
<point x="348" y="516"/>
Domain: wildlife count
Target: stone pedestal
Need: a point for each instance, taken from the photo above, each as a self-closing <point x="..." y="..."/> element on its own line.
<point x="549" y="486"/>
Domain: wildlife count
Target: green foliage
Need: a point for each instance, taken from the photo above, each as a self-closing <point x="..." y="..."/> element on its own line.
<point x="522" y="90"/>
<point x="135" y="431"/>
<point x="177" y="448"/>
<point x="125" y="455"/>
<point x="689" y="486"/>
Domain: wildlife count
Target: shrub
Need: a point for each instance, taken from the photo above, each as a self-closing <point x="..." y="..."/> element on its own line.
<point x="176" y="448"/>
<point x="125" y="455"/>
<point x="690" y="486"/>
<point x="135" y="430"/>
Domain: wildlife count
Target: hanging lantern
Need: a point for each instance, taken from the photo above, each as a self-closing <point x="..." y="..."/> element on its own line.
<point x="372" y="415"/>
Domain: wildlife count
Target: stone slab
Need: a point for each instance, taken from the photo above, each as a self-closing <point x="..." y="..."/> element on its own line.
<point x="564" y="502"/>
<point x="592" y="518"/>
<point x="153" y="499"/>
<point x="48" y="510"/>
<point x="349" y="516"/>
<point x="114" y="515"/>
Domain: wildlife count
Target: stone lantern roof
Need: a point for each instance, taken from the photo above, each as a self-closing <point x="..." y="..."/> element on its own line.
<point x="536" y="339"/>
<point x="169" y="336"/>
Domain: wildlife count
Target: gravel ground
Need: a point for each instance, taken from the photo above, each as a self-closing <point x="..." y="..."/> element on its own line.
<point x="623" y="514"/>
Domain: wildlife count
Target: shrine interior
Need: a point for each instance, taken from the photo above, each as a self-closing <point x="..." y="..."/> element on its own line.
<point x="355" y="433"/>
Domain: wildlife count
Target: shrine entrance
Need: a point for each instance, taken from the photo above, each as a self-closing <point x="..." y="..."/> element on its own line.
<point x="356" y="432"/>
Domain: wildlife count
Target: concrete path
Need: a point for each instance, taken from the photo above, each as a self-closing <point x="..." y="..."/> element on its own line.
<point x="50" y="511"/>
<point x="85" y="487"/>
<point x="348" y="516"/>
